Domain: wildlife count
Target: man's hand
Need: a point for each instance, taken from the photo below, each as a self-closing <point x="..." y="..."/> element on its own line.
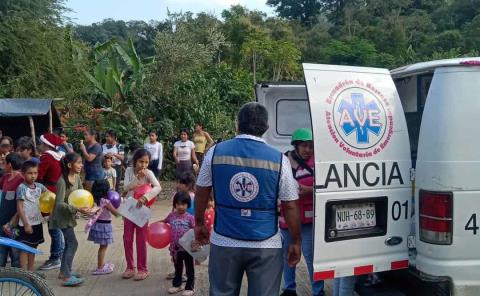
<point x="202" y="236"/>
<point x="294" y="254"/>
<point x="28" y="228"/>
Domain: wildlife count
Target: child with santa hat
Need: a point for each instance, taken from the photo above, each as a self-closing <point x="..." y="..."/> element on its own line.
<point x="49" y="171"/>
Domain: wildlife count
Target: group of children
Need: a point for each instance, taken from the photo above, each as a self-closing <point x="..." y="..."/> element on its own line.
<point x="20" y="209"/>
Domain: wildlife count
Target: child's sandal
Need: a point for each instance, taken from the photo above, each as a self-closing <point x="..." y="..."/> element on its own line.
<point x="106" y="269"/>
<point x="141" y="275"/>
<point x="128" y="274"/>
<point x="174" y="290"/>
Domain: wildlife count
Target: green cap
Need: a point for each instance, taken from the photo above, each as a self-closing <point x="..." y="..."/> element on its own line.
<point x="302" y="135"/>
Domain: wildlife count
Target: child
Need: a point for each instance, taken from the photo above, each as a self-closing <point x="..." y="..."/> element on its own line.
<point x="156" y="151"/>
<point x="110" y="172"/>
<point x="8" y="206"/>
<point x="28" y="208"/>
<point x="136" y="176"/>
<point x="186" y="183"/>
<point x="26" y="149"/>
<point x="101" y="232"/>
<point x="63" y="215"/>
<point x="181" y="221"/>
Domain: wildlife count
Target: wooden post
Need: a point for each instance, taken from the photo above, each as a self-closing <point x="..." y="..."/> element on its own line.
<point x="32" y="130"/>
<point x="50" y="120"/>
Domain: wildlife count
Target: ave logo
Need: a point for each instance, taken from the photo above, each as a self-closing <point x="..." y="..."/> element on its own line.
<point x="359" y="118"/>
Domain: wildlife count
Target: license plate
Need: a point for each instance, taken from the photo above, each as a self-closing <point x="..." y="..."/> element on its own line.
<point x="354" y="216"/>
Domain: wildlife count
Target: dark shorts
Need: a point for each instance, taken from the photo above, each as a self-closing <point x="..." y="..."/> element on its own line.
<point x="34" y="239"/>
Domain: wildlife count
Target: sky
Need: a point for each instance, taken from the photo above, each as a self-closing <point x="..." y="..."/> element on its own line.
<point x="86" y="12"/>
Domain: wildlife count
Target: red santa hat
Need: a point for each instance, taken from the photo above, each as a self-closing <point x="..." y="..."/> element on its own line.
<point x="51" y="140"/>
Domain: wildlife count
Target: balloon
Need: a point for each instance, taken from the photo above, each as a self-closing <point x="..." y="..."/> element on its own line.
<point x="114" y="198"/>
<point x="47" y="202"/>
<point x="81" y="198"/>
<point x="141" y="191"/>
<point x="158" y="235"/>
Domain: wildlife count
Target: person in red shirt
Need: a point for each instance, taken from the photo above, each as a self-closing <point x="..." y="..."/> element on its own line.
<point x="49" y="171"/>
<point x="8" y="206"/>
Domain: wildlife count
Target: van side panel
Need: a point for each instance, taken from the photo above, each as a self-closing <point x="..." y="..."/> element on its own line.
<point x="449" y="161"/>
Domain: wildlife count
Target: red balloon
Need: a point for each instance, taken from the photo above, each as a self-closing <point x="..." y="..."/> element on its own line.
<point x="141" y="191"/>
<point x="159" y="234"/>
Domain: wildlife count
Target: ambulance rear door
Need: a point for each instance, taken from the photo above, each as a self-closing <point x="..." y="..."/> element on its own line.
<point x="363" y="195"/>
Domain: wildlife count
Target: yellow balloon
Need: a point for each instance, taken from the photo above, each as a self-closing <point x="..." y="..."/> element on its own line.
<point x="47" y="202"/>
<point x="81" y="198"/>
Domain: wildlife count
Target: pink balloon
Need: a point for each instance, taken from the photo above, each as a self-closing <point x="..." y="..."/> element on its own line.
<point x="159" y="234"/>
<point x="141" y="191"/>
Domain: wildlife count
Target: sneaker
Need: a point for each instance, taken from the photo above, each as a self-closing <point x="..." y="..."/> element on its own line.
<point x="288" y="293"/>
<point x="50" y="264"/>
<point x="106" y="269"/>
<point x="188" y="293"/>
<point x="175" y="290"/>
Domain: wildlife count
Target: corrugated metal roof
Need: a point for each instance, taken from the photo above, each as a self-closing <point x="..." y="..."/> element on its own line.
<point x="24" y="107"/>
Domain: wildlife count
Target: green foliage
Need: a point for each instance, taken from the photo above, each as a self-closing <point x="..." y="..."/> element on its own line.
<point x="166" y="75"/>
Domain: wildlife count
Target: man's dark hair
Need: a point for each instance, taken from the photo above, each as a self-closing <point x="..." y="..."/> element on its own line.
<point x="253" y="119"/>
<point x="28" y="165"/>
<point x="182" y="198"/>
<point x="15" y="160"/>
<point x="25" y="143"/>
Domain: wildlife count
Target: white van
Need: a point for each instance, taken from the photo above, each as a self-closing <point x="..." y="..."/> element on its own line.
<point x="369" y="216"/>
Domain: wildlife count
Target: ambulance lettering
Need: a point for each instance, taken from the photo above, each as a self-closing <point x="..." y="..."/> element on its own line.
<point x="368" y="174"/>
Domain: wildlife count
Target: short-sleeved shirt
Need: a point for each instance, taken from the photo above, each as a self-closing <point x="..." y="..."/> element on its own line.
<point x="31" y="202"/>
<point x="115" y="149"/>
<point x="110" y="175"/>
<point x="180" y="225"/>
<point x="184" y="150"/>
<point x="93" y="169"/>
<point x="63" y="150"/>
<point x="8" y="202"/>
<point x="288" y="191"/>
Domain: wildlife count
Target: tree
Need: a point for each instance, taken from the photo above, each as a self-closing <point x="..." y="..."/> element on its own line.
<point x="117" y="75"/>
<point x="304" y="11"/>
<point x="257" y="46"/>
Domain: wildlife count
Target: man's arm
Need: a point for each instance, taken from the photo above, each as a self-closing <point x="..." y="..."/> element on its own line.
<point x="201" y="202"/>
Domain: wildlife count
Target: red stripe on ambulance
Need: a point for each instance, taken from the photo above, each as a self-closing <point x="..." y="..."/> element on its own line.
<point x="402" y="264"/>
<point x="324" y="275"/>
<point x="359" y="270"/>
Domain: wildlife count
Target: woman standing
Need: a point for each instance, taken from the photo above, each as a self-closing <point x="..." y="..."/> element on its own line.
<point x="301" y="160"/>
<point x="184" y="153"/>
<point x="113" y="149"/>
<point x="92" y="153"/>
<point x="202" y="141"/>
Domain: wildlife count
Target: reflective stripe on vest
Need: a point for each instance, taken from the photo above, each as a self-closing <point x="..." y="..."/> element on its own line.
<point x="246" y="176"/>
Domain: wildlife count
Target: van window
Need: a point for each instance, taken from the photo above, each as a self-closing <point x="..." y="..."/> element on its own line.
<point x="413" y="91"/>
<point x="291" y="115"/>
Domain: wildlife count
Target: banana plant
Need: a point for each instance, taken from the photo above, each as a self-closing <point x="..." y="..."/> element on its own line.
<point x="116" y="75"/>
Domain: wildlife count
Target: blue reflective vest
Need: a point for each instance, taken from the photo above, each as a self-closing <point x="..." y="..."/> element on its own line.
<point x="246" y="176"/>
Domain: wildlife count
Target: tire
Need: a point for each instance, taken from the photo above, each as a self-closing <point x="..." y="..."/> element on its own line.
<point x="29" y="282"/>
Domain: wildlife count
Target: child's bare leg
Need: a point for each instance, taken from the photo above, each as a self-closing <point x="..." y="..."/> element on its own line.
<point x="31" y="262"/>
<point x="24" y="260"/>
<point x="102" y="252"/>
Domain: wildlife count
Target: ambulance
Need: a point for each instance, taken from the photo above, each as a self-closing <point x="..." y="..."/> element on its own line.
<point x="397" y="170"/>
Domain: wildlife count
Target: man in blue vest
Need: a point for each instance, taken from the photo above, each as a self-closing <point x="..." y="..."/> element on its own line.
<point x="247" y="177"/>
